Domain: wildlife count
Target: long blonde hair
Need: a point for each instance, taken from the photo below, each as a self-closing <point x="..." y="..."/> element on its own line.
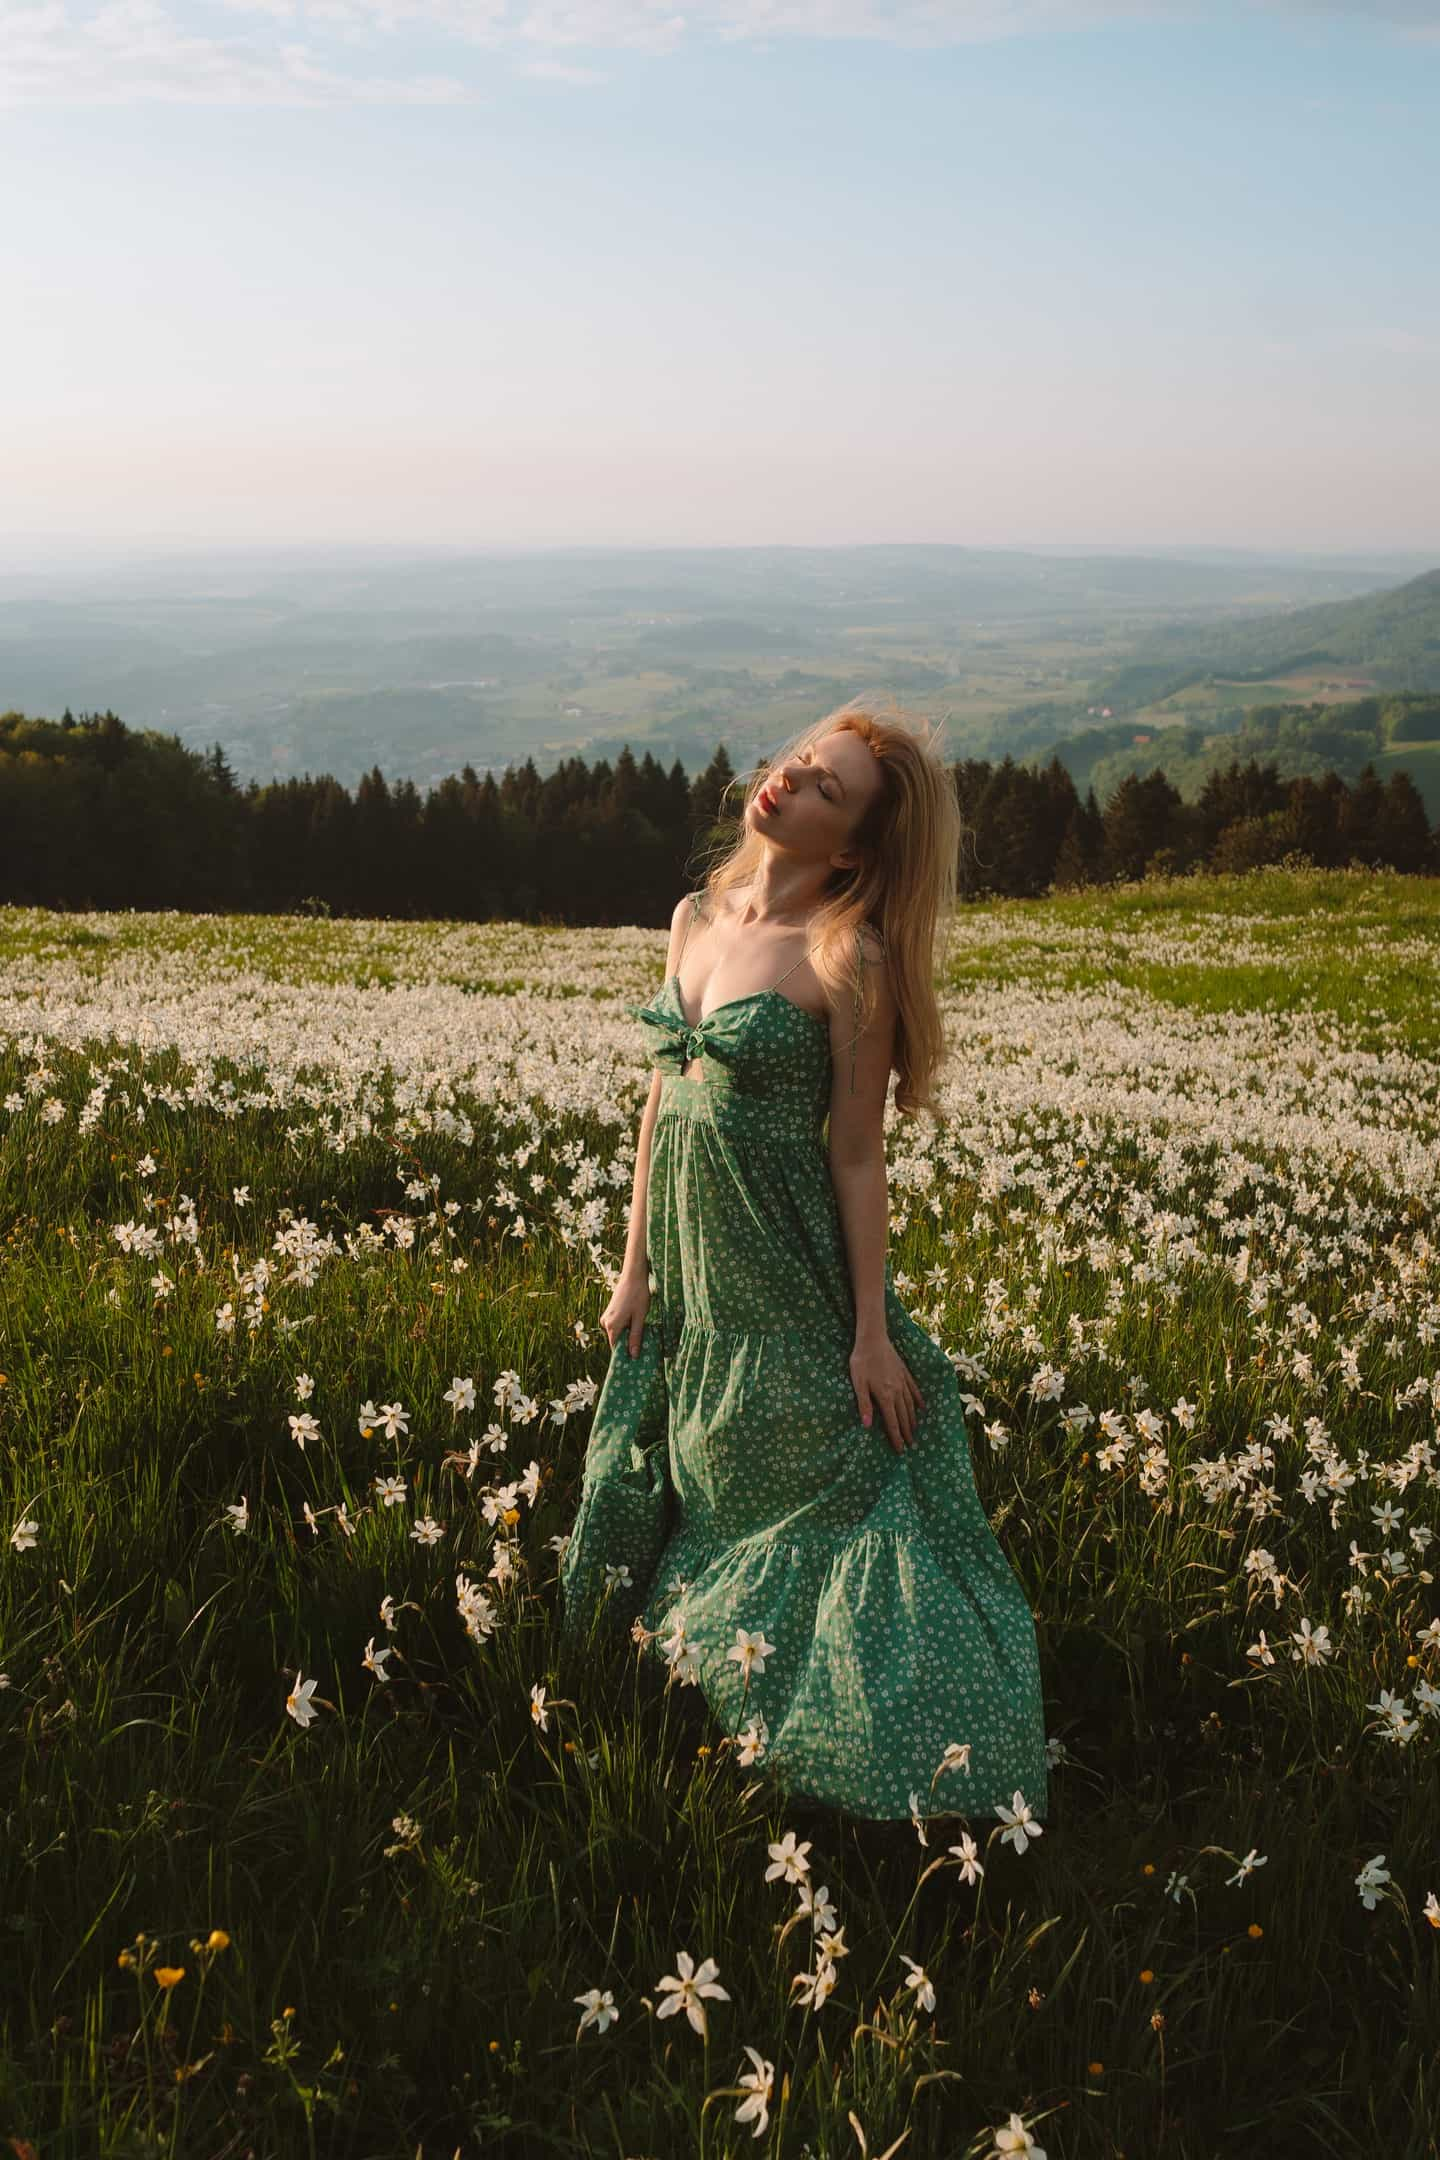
<point x="902" y="889"/>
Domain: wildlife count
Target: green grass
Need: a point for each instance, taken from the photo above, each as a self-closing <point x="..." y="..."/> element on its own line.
<point x="383" y="1997"/>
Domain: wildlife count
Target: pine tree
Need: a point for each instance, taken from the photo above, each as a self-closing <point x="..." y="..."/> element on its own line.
<point x="1074" y="861"/>
<point x="1139" y="820"/>
<point x="1361" y="814"/>
<point x="218" y="766"/>
<point x="1402" y="830"/>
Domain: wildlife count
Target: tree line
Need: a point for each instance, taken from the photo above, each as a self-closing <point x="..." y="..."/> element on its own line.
<point x="96" y="815"/>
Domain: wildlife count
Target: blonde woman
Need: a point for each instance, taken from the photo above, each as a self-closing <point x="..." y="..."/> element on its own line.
<point x="777" y="1493"/>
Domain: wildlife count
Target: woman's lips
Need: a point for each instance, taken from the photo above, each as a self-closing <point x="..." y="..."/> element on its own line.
<point x="766" y="801"/>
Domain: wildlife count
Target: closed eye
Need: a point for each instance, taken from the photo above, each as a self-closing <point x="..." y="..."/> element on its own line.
<point x="809" y="760"/>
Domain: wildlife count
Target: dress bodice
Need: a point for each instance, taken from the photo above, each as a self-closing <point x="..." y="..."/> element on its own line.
<point x="758" y="1049"/>
<point x="762" y="1047"/>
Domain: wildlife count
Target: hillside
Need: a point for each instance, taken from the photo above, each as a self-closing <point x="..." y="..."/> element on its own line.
<point x="1398" y="733"/>
<point x="1392" y="637"/>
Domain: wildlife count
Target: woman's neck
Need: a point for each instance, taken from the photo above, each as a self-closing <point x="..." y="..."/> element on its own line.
<point x="777" y="902"/>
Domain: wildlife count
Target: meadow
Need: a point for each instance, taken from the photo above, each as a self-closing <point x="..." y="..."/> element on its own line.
<point x="316" y="1837"/>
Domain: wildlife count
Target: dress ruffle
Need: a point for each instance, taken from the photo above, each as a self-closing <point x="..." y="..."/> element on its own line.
<point x="893" y="1635"/>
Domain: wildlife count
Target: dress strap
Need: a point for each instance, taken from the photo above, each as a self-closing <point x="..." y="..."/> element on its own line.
<point x="859" y="976"/>
<point x="790" y="970"/>
<point x="694" y="911"/>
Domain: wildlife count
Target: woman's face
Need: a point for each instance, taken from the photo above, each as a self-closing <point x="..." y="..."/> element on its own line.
<point x="813" y="800"/>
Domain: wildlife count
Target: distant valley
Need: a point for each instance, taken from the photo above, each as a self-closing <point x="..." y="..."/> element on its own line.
<point x="426" y="664"/>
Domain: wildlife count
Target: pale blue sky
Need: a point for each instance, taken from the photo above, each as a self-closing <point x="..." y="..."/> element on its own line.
<point x="993" y="272"/>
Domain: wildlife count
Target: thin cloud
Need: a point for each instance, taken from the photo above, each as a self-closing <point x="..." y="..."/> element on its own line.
<point x="294" y="52"/>
<point x="1420" y="18"/>
<point x="134" y="51"/>
<point x="561" y="71"/>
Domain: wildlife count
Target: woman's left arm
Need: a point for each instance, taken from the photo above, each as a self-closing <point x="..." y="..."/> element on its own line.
<point x="857" y="1172"/>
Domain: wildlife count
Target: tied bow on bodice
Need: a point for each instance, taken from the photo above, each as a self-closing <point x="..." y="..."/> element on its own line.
<point x="685" y="1043"/>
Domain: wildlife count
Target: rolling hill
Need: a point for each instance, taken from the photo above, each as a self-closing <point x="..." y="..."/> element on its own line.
<point x="1392" y="637"/>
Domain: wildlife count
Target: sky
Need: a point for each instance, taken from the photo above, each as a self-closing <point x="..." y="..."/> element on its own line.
<point x="748" y="272"/>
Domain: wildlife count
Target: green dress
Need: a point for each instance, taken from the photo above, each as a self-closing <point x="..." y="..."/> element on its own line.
<point x="729" y="1483"/>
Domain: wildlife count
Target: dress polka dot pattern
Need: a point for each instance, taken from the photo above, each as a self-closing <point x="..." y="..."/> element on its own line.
<point x="729" y="1472"/>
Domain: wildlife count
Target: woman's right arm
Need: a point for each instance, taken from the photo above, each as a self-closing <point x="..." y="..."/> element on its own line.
<point x="631" y="1298"/>
<point x="637" y="1259"/>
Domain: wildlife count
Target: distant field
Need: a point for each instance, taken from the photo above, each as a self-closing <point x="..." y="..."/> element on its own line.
<point x="1422" y="762"/>
<point x="1304" y="687"/>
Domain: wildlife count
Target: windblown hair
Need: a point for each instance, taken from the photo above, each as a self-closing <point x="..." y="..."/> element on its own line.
<point x="902" y="889"/>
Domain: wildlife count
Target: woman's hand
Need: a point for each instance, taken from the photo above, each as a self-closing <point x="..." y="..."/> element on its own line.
<point x="629" y="1303"/>
<point x="880" y="1376"/>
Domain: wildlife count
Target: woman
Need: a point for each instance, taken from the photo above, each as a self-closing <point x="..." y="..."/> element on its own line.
<point x="777" y="1491"/>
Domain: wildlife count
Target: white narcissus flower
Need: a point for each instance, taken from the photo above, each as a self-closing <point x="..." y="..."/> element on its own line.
<point x="537" y="1707"/>
<point x="758" y="2084"/>
<point x="25" y="1534"/>
<point x="1371" y="1880"/>
<point x="819" y="1905"/>
<point x="391" y="1490"/>
<point x="787" y="1859"/>
<point x="599" y="2009"/>
<point x="426" y="1531"/>
<point x="1020" y="1825"/>
<point x="967" y="1852"/>
<point x="239" y="1514"/>
<point x="919" y="1980"/>
<point x="1312" y="1645"/>
<point x="298" y="1701"/>
<point x="1014" y="2142"/>
<point x="812" y="1988"/>
<point x="374" y="1660"/>
<point x="304" y="1427"/>
<point x="683" y="1656"/>
<point x="750" y="1651"/>
<point x="751" y="1743"/>
<point x="686" y="1987"/>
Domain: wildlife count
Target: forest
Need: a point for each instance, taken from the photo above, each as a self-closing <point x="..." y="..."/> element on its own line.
<point x="94" y="814"/>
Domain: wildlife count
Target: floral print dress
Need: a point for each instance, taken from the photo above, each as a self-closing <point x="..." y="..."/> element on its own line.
<point x="846" y="1608"/>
